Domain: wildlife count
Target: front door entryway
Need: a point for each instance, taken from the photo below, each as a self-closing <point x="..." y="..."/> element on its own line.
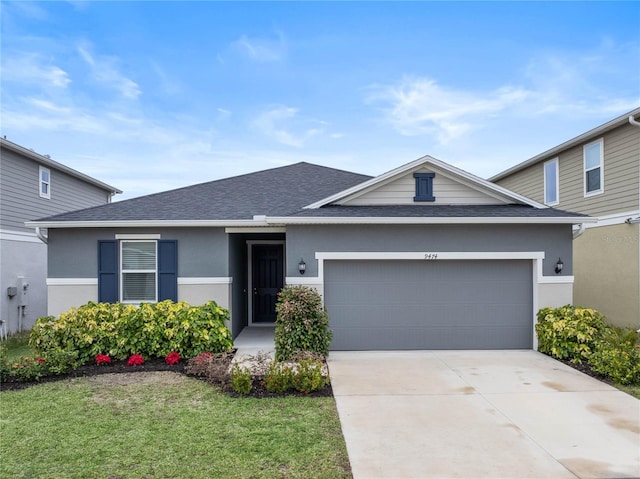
<point x="267" y="279"/>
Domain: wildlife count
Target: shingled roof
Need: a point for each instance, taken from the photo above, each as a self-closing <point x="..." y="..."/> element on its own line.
<point x="274" y="192"/>
<point x="282" y="196"/>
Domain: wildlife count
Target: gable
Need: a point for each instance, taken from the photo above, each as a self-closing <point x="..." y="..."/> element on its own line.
<point x="401" y="190"/>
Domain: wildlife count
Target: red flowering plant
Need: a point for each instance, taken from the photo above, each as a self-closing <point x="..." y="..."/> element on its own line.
<point x="135" y="360"/>
<point x="103" y="359"/>
<point x="172" y="358"/>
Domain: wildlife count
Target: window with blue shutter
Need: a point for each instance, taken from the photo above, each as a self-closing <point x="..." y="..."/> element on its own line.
<point x="108" y="271"/>
<point x="424" y="187"/>
<point x="143" y="268"/>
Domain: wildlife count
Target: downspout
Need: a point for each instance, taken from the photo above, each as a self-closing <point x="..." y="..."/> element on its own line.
<point x="41" y="236"/>
<point x="579" y="231"/>
<point x="634" y="122"/>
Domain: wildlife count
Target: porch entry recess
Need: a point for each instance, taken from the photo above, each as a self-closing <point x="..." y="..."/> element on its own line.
<point x="267" y="279"/>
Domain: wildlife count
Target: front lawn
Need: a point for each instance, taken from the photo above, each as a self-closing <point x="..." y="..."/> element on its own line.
<point x="161" y="425"/>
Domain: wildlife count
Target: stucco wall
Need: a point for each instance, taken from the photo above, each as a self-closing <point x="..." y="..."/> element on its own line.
<point x="304" y="241"/>
<point x="607" y="272"/>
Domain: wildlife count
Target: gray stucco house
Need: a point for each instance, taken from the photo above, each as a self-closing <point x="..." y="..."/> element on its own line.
<point x="425" y="256"/>
<point x="32" y="186"/>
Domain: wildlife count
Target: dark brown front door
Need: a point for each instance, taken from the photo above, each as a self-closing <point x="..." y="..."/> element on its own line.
<point x="267" y="279"/>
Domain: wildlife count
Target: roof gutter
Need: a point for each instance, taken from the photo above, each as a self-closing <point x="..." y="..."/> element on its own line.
<point x="633" y="121"/>
<point x="41" y="235"/>
<point x="579" y="231"/>
<point x="315" y="220"/>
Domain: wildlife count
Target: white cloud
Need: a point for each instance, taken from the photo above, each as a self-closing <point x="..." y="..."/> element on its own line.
<point x="277" y="123"/>
<point x="105" y="70"/>
<point x="33" y="69"/>
<point x="420" y="106"/>
<point x="263" y="49"/>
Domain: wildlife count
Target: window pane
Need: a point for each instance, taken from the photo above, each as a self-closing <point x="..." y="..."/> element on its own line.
<point x="138" y="255"/>
<point x="550" y="183"/>
<point x="592" y="156"/>
<point x="44" y="189"/>
<point x="593" y="180"/>
<point x="138" y="286"/>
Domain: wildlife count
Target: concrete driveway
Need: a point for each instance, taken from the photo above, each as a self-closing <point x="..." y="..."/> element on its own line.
<point x="481" y="414"/>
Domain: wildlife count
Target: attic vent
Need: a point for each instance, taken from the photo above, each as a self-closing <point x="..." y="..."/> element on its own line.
<point x="424" y="187"/>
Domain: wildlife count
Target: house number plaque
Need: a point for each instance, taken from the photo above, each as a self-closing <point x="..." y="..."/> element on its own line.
<point x="431" y="256"/>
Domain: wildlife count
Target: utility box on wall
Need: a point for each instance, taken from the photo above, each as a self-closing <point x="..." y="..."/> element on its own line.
<point x="23" y="291"/>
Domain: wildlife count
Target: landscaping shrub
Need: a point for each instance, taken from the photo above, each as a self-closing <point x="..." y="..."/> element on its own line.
<point x="569" y="332"/>
<point x="241" y="379"/>
<point x="118" y="330"/>
<point x="213" y="367"/>
<point x="617" y="356"/>
<point x="279" y="377"/>
<point x="302" y="324"/>
<point x="308" y="376"/>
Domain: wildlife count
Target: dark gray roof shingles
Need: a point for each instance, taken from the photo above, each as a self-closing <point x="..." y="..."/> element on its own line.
<point x="274" y="192"/>
<point x="280" y="192"/>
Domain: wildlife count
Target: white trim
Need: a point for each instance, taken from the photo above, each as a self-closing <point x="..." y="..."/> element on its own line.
<point x="557" y="182"/>
<point x="428" y="160"/>
<point x="588" y="194"/>
<point x="251" y="243"/>
<point x="146" y="223"/>
<point x="205" y="280"/>
<point x="263" y="229"/>
<point x="306" y="280"/>
<point x="23" y="236"/>
<point x="614" y="219"/>
<point x="311" y="220"/>
<point x="72" y="281"/>
<point x="138" y="236"/>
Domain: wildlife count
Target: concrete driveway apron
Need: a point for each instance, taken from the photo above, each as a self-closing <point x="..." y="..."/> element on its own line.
<point x="481" y="414"/>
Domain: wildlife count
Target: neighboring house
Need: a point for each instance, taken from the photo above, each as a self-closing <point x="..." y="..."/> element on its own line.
<point x="426" y="256"/>
<point x="596" y="173"/>
<point x="33" y="186"/>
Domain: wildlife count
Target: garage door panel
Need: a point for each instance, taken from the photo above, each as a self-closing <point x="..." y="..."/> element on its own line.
<point x="429" y="304"/>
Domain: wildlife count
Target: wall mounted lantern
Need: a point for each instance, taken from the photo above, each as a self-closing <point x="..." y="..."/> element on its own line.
<point x="559" y="266"/>
<point x="302" y="266"/>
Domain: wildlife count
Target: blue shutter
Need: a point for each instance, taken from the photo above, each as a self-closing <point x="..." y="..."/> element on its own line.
<point x="424" y="187"/>
<point x="167" y="270"/>
<point x="107" y="271"/>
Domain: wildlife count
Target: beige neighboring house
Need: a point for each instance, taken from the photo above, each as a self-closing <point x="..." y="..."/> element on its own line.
<point x="597" y="173"/>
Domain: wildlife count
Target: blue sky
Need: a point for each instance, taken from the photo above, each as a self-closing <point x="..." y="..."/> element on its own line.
<point x="149" y="96"/>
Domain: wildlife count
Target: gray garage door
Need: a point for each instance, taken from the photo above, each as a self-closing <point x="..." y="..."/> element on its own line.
<point x="429" y="304"/>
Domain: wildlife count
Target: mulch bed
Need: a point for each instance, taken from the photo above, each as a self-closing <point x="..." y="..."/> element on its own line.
<point x="153" y="365"/>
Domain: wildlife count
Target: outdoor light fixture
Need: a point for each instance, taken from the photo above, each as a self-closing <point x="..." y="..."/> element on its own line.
<point x="559" y="266"/>
<point x="302" y="266"/>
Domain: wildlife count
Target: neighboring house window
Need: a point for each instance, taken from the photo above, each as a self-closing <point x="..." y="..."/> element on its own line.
<point x="424" y="187"/>
<point x="593" y="168"/>
<point x="135" y="271"/>
<point x="45" y="182"/>
<point x="551" y="182"/>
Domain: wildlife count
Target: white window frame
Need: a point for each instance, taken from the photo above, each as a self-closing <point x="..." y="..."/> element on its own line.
<point x="41" y="182"/>
<point x="122" y="271"/>
<point x="600" y="143"/>
<point x="557" y="182"/>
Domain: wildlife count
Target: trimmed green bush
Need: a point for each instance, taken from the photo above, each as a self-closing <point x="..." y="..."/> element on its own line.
<point x="617" y="356"/>
<point x="569" y="332"/>
<point x="302" y="324"/>
<point x="241" y="379"/>
<point x="119" y="330"/>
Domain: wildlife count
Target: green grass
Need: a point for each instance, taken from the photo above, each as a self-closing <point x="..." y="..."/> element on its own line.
<point x="634" y="390"/>
<point x="175" y="427"/>
<point x="17" y="345"/>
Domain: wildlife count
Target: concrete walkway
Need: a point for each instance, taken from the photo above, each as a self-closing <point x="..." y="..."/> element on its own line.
<point x="481" y="414"/>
